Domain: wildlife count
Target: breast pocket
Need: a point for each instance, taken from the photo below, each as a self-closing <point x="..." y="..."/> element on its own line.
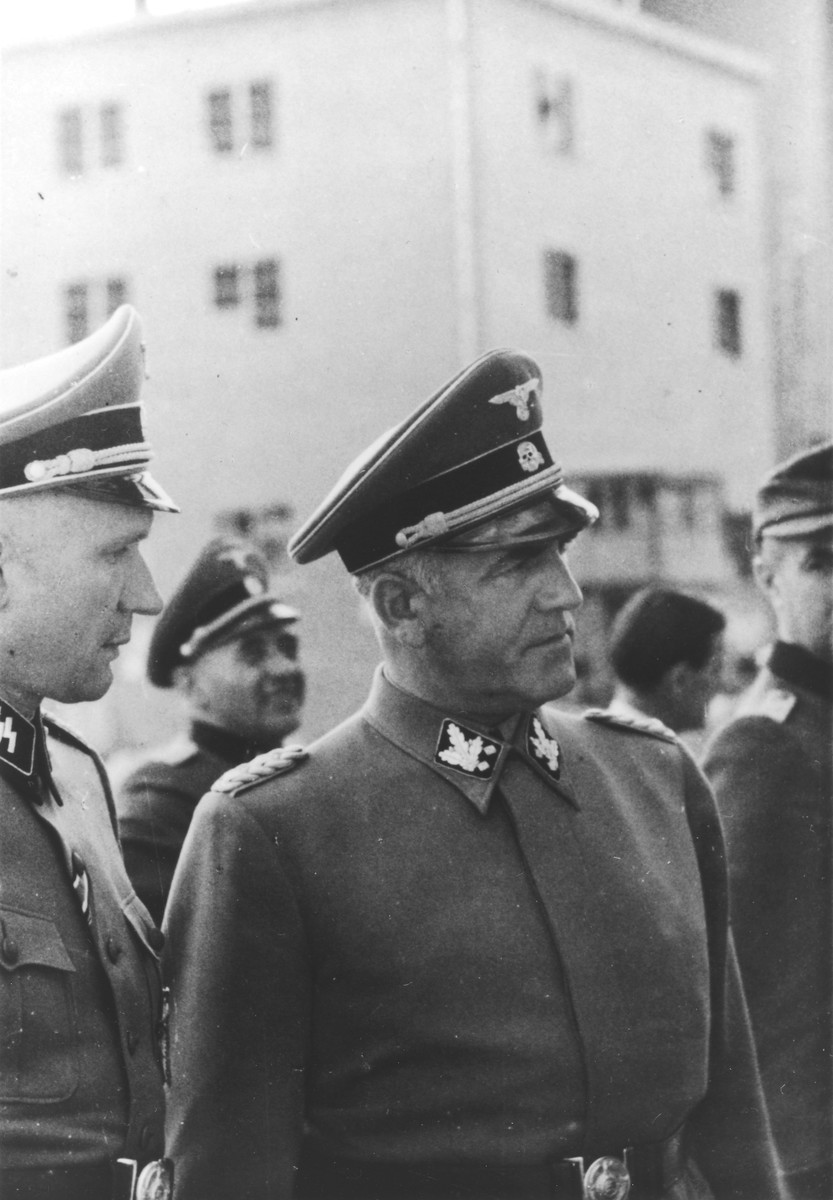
<point x="38" y="1035"/>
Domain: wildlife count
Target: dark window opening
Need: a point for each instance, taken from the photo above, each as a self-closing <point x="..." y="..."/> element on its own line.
<point x="71" y="141"/>
<point x="721" y="160"/>
<point x="219" y="115"/>
<point x="112" y="135"/>
<point x="77" y="312"/>
<point x="561" y="286"/>
<point x="727" y="320"/>
<point x="267" y="294"/>
<point x="260" y="96"/>
<point x="226" y="287"/>
<point x="554" y="108"/>
<point x="116" y="294"/>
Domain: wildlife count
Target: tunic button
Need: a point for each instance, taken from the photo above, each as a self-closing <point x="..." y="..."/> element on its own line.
<point x="156" y="939"/>
<point x="132" y="1043"/>
<point x="10" y="950"/>
<point x="114" y="950"/>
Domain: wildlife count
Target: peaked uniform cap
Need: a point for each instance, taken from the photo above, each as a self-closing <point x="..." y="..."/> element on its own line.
<point x="74" y="419"/>
<point x="472" y="451"/>
<point x="796" y="498"/>
<point x="225" y="591"/>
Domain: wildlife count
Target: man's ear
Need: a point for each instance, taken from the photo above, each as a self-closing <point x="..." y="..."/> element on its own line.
<point x="764" y="573"/>
<point x="398" y="603"/>
<point x="183" y="678"/>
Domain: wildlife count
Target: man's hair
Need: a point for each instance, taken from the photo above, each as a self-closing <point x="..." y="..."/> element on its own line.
<point x="658" y="628"/>
<point x="422" y="567"/>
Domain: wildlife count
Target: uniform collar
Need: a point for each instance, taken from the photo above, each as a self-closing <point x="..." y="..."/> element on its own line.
<point x="465" y="753"/>
<point x="227" y="745"/>
<point x="797" y="666"/>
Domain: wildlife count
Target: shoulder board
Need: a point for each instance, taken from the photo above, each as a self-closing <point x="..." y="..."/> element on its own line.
<point x="266" y="766"/>
<point x="64" y="733"/>
<point x="776" y="703"/>
<point x="648" y="725"/>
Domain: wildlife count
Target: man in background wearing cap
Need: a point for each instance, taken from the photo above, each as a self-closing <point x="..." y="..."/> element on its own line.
<point x="771" y="771"/>
<point x="463" y="946"/>
<point x="226" y="643"/>
<point x="666" y="650"/>
<point x="81" y="1087"/>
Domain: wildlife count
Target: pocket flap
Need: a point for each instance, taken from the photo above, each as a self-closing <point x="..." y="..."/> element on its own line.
<point x="30" y="941"/>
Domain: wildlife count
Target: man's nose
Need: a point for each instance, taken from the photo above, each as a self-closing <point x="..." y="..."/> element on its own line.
<point x="140" y="593"/>
<point x="559" y="589"/>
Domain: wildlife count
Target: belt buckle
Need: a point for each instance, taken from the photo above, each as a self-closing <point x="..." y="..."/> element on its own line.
<point x="607" y="1178"/>
<point x="156" y="1180"/>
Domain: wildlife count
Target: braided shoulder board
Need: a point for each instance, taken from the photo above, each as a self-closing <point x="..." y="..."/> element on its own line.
<point x="266" y="766"/>
<point x="649" y="725"/>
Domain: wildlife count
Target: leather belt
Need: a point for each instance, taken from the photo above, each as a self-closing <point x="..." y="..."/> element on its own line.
<point x="122" y="1180"/>
<point x="643" y="1172"/>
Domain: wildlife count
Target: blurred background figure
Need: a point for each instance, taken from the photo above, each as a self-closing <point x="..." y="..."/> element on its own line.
<point x="666" y="650"/>
<point x="227" y="644"/>
<point x="771" y="770"/>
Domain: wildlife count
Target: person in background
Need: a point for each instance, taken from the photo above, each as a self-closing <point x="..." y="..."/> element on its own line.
<point x="771" y="771"/>
<point x="666" y="650"/>
<point x="81" y="1074"/>
<point x="464" y="945"/>
<point x="228" y="645"/>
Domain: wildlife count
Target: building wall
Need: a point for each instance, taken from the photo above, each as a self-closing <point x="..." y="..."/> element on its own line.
<point x="408" y="199"/>
<point x="797" y="40"/>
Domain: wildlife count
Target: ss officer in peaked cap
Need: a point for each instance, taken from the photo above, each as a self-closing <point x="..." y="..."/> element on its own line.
<point x="227" y="644"/>
<point x="772" y="771"/>
<point x="81" y="1081"/>
<point x="465" y="945"/>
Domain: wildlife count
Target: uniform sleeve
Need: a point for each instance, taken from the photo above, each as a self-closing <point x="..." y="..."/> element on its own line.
<point x="729" y="1132"/>
<point x="153" y="819"/>
<point x="240" y="1003"/>
<point x="773" y="818"/>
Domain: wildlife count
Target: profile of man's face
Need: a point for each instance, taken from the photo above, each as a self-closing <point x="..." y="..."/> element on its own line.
<point x="72" y="578"/>
<point x="796" y="575"/>
<point x="250" y="685"/>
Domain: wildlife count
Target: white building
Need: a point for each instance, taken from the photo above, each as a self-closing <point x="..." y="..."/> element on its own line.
<point x="323" y="208"/>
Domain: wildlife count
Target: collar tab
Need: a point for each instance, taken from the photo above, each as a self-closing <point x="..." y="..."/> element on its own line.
<point x="17" y="740"/>
<point x="466" y="750"/>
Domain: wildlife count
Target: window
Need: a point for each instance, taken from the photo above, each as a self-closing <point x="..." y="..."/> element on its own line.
<point x="226" y="287"/>
<point x="219" y="115"/>
<point x="561" y="286"/>
<point x="112" y="135"/>
<point x="260" y="284"/>
<point x="116" y="294"/>
<point x="260" y="96"/>
<point x="267" y="295"/>
<point x="76" y="310"/>
<point x="71" y="141"/>
<point x="720" y="155"/>
<point x="727" y="322"/>
<point x="554" y="111"/>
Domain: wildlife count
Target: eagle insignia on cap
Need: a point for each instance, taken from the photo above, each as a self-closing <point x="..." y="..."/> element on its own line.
<point x="466" y="750"/>
<point x="544" y="749"/>
<point x="519" y="396"/>
<point x="240" y="556"/>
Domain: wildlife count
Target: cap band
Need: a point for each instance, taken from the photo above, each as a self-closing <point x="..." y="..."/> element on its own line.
<point x="449" y="501"/>
<point x="107" y="438"/>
